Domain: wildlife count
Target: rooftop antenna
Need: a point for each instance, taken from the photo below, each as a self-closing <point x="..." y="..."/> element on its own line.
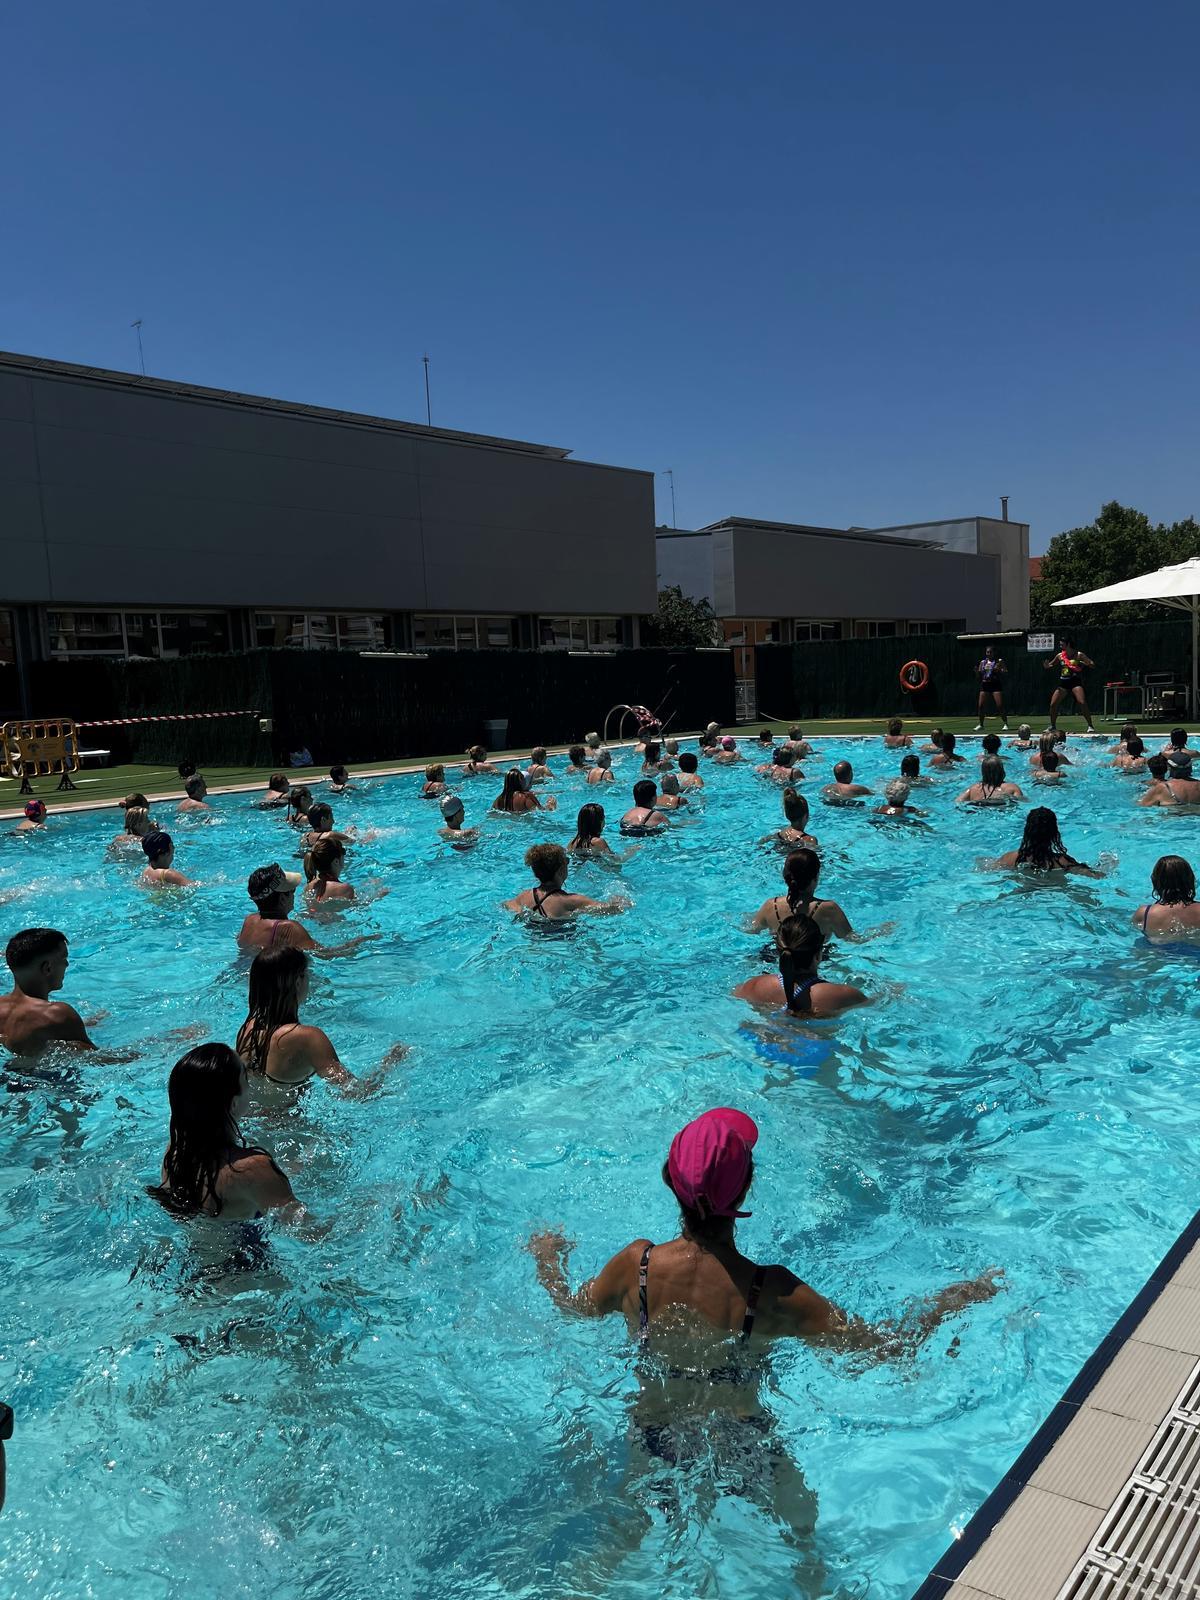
<point x="141" y="357"/>
<point x="428" y="411"/>
<point x="1003" y="508"/>
<point x="669" y="472"/>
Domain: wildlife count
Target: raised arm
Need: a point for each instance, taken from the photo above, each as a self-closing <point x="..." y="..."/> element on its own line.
<point x="599" y="1296"/>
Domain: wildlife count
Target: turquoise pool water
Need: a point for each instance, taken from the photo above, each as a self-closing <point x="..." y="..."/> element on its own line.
<point x="398" y="1409"/>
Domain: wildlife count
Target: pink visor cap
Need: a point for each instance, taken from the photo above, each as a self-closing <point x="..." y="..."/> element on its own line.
<point x="731" y="744"/>
<point x="710" y="1159"/>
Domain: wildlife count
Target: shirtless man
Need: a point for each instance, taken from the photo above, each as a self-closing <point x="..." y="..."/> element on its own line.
<point x="194" y="791"/>
<point x="843" y="787"/>
<point x="34" y="818"/>
<point x="29" y="1019"/>
<point x="1024" y="739"/>
<point x="159" y="873"/>
<point x="548" y="899"/>
<point x="642" y="816"/>
<point x="798" y="742"/>
<point x="689" y="777"/>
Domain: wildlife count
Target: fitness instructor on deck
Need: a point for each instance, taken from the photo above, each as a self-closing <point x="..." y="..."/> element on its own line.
<point x="1069" y="663"/>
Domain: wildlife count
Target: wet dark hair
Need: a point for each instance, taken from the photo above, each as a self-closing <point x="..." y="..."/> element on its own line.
<point x="991" y="743"/>
<point x="320" y="816"/>
<point x="338" y="774"/>
<point x="910" y="766"/>
<point x="545" y="861"/>
<point x="800" y="942"/>
<point x="134" y="801"/>
<point x="785" y="756"/>
<point x="895" y="726"/>
<point x="1050" y="761"/>
<point x="801" y="869"/>
<point x="948" y="743"/>
<point x="687" y="761"/>
<point x="653" y="752"/>
<point x="1173" y="882"/>
<point x="1041" y="843"/>
<point x="576" y="755"/>
<point x="202" y="1088"/>
<point x="194" y="787"/>
<point x="513" y="786"/>
<point x="278" y="783"/>
<point x="1127" y="732"/>
<point x="272" y="1003"/>
<point x="299" y="800"/>
<point x="323" y="857"/>
<point x="936" y="736"/>
<point x="1179" y="738"/>
<point x="644" y="792"/>
<point x="795" y="808"/>
<point x="589" y="825"/>
<point x="991" y="772"/>
<point x="1157" y="766"/>
<point x="1129" y="744"/>
<point x="704" y="1226"/>
<point x="843" y="772"/>
<point x="30" y="945"/>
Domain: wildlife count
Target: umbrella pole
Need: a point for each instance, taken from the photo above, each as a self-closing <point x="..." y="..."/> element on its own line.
<point x="1195" y="636"/>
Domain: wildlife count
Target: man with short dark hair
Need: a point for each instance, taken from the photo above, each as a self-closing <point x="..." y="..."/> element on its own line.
<point x="641" y="816"/>
<point x="689" y="778"/>
<point x="843" y="789"/>
<point x="29" y="1019"/>
<point x="195" y="789"/>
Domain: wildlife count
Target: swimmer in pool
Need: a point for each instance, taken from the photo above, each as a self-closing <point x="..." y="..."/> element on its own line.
<point x="320" y="818"/>
<point x="689" y="776"/>
<point x="934" y="746"/>
<point x="515" y="798"/>
<point x="159" y="873"/>
<point x="1177" y="745"/>
<point x="843" y="788"/>
<point x="577" y="765"/>
<point x="602" y="770"/>
<point x="1171" y="783"/>
<point x="801" y="869"/>
<point x="669" y="798"/>
<point x="323" y="866"/>
<point x="1173" y="913"/>
<point x="138" y="823"/>
<point x="1024" y="739"/>
<point x="910" y="771"/>
<point x="453" y="815"/>
<point x="589" y="840"/>
<point x="1048" y="743"/>
<point x="538" y="770"/>
<point x="1042" y="849"/>
<point x="642" y="816"/>
<point x="208" y="1170"/>
<point x="1128" y="732"/>
<point x="895" y="801"/>
<point x="195" y="790"/>
<point x="299" y="801"/>
<point x="339" y="781"/>
<point x="29" y="1019"/>
<point x="34" y="819"/>
<point x="278" y="789"/>
<point x="729" y="754"/>
<point x="477" y="762"/>
<point x="1132" y="757"/>
<point x="434" y="786"/>
<point x="796" y="835"/>
<point x="947" y="756"/>
<point x="268" y="927"/>
<point x="798" y="742"/>
<point x="782" y="767"/>
<point x="766" y="739"/>
<point x="277" y="1047"/>
<point x="989" y="745"/>
<point x="548" y="900"/>
<point x="654" y="761"/>
<point x="800" y="942"/>
<point x="700" y="1284"/>
<point x="991" y="788"/>
<point x="895" y="738"/>
<point x="1049" y="768"/>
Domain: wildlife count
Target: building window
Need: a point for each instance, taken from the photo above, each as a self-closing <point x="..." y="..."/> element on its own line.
<point x="810" y="629"/>
<point x="432" y="632"/>
<point x="877" y="630"/>
<point x="579" y="633"/>
<point x="150" y="634"/>
<point x="925" y="627"/>
<point x="305" y="630"/>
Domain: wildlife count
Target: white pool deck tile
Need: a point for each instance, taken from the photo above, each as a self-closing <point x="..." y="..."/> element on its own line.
<point x="1064" y="1523"/>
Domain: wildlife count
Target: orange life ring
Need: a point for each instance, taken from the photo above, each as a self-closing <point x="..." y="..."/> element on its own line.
<point x="914" y="676"/>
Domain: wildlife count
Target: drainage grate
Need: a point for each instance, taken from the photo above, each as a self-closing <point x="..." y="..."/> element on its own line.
<point x="1148" y="1546"/>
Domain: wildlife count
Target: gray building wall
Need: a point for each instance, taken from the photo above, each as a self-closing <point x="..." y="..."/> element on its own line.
<point x="762" y="572"/>
<point x="1008" y="542"/>
<point x="112" y="493"/>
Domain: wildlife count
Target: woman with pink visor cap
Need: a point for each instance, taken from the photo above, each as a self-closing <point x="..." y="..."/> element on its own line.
<point x="701" y="1282"/>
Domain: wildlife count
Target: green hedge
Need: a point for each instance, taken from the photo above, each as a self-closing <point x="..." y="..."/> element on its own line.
<point x="861" y="677"/>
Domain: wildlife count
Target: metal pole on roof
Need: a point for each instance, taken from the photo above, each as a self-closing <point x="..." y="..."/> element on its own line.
<point x="669" y="472"/>
<point x="141" y="357"/>
<point x="428" y="410"/>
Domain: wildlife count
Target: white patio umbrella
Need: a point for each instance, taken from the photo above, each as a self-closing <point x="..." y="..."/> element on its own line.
<point x="1177" y="587"/>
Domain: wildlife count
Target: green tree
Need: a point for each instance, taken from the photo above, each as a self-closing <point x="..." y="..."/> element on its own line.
<point x="681" y="622"/>
<point x="1121" y="543"/>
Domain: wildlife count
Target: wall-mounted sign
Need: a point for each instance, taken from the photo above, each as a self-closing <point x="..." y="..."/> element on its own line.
<point x="1039" y="641"/>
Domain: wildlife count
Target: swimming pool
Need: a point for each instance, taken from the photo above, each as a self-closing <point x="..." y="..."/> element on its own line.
<point x="399" y="1409"/>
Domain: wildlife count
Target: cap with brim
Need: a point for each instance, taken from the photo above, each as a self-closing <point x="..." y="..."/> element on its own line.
<point x="709" y="1161"/>
<point x="451" y="805"/>
<point x="1180" y="763"/>
<point x="728" y="743"/>
<point x="271" y="880"/>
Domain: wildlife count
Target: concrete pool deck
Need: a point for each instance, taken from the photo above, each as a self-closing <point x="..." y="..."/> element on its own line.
<point x="1104" y="1501"/>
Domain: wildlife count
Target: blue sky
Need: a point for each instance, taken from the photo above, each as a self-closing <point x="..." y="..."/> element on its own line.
<point x="857" y="264"/>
